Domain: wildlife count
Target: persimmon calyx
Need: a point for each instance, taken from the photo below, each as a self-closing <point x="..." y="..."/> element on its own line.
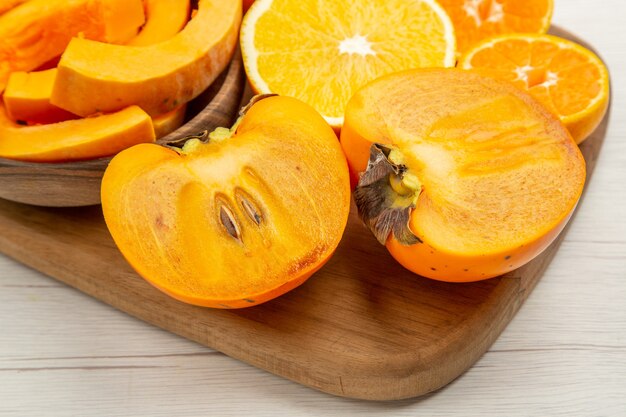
<point x="223" y="133"/>
<point x="386" y="195"/>
<point x="190" y="143"/>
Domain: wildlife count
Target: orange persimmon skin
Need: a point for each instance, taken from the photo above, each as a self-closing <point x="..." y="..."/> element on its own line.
<point x="282" y="153"/>
<point x="439" y="262"/>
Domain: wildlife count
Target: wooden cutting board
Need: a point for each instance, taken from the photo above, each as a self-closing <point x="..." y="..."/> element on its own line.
<point x="361" y="327"/>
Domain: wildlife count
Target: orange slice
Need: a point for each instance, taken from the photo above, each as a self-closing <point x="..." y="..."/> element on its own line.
<point x="322" y="51"/>
<point x="475" y="20"/>
<point x="567" y="78"/>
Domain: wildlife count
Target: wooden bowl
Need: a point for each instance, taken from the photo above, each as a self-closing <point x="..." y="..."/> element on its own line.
<point x="74" y="184"/>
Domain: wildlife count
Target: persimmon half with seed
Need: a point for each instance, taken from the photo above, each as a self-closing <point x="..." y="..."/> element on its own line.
<point x="236" y="220"/>
<point x="461" y="176"/>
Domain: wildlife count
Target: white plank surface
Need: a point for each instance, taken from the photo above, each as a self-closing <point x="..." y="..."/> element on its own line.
<point x="65" y="354"/>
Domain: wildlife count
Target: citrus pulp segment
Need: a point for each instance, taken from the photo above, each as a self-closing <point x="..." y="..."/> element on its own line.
<point x="567" y="78"/>
<point x="322" y="51"/>
<point x="475" y="20"/>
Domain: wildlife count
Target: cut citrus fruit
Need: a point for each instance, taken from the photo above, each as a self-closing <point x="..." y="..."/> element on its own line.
<point x="567" y="78"/>
<point x="322" y="51"/>
<point x="463" y="177"/>
<point x="475" y="20"/>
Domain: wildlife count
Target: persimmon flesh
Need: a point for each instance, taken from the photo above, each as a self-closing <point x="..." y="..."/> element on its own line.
<point x="236" y="221"/>
<point x="462" y="177"/>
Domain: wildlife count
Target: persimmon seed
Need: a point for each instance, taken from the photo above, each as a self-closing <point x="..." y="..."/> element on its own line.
<point x="251" y="211"/>
<point x="229" y="222"/>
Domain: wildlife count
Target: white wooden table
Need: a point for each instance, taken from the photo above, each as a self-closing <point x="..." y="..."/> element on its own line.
<point x="64" y="354"/>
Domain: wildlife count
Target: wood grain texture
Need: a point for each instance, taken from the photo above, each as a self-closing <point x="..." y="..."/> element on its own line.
<point x="363" y="327"/>
<point x="74" y="184"/>
<point x="564" y="354"/>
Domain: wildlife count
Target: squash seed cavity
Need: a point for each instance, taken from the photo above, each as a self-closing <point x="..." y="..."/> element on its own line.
<point x="386" y="195"/>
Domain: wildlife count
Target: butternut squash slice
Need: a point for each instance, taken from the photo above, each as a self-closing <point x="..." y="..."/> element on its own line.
<point x="39" y="30"/>
<point x="75" y="139"/>
<point x="27" y="94"/>
<point x="166" y="123"/>
<point x="158" y="78"/>
<point x="27" y="98"/>
<point x="164" y="19"/>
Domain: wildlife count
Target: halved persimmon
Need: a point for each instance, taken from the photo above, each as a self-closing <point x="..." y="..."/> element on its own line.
<point x="237" y="220"/>
<point x="463" y="177"/>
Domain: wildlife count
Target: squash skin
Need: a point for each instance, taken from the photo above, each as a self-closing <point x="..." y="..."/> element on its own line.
<point x="74" y="140"/>
<point x="158" y="78"/>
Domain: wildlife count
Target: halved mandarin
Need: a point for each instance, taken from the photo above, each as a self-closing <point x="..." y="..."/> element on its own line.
<point x="463" y="177"/>
<point x="567" y="78"/>
<point x="238" y="220"/>
<point x="475" y="20"/>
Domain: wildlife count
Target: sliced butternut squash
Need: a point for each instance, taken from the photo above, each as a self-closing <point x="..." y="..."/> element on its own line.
<point x="75" y="139"/>
<point x="164" y="19"/>
<point x="39" y="30"/>
<point x="27" y="98"/>
<point x="158" y="77"/>
<point x="166" y="123"/>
